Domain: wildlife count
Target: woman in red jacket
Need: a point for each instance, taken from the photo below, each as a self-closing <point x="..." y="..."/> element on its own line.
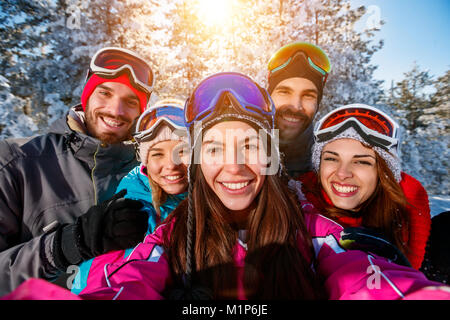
<point x="358" y="181"/>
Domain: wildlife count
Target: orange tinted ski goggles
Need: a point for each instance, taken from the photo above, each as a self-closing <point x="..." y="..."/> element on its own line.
<point x="316" y="57"/>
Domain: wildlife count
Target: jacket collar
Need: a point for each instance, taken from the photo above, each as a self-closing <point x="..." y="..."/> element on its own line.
<point x="84" y="146"/>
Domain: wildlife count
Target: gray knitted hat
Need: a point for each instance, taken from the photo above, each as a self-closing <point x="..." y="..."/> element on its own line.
<point x="391" y="158"/>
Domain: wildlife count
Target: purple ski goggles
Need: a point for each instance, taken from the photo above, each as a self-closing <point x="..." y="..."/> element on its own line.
<point x="243" y="91"/>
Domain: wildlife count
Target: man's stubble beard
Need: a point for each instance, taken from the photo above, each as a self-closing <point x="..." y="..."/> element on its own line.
<point x="306" y="122"/>
<point x="91" y="118"/>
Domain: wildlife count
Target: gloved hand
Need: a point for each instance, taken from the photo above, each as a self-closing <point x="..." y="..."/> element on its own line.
<point x="369" y="240"/>
<point x="115" y="224"/>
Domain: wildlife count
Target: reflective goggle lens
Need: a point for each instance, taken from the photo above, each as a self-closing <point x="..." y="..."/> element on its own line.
<point x="170" y="114"/>
<point x="368" y="117"/>
<point x="314" y="53"/>
<point x="247" y="93"/>
<point x="114" y="59"/>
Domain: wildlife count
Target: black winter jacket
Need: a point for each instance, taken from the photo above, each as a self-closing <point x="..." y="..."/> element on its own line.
<point x="297" y="153"/>
<point x="48" y="181"/>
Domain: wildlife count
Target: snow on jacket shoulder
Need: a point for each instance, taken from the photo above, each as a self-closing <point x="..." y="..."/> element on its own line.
<point x="145" y="273"/>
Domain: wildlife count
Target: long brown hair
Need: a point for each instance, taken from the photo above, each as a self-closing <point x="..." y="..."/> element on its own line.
<point x="275" y="268"/>
<point x="385" y="210"/>
<point x="159" y="196"/>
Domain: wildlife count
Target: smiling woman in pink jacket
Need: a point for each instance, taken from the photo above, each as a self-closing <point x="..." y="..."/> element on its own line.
<point x="359" y="184"/>
<point x="241" y="233"/>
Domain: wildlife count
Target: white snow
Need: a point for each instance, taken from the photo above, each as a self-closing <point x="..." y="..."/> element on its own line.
<point x="439" y="204"/>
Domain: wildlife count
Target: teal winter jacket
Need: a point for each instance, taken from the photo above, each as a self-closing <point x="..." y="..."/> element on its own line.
<point x="138" y="188"/>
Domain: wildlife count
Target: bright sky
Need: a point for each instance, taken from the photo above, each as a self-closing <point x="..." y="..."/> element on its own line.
<point x="414" y="30"/>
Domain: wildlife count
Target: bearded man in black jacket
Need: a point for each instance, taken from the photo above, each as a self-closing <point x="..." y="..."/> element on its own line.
<point x="57" y="202"/>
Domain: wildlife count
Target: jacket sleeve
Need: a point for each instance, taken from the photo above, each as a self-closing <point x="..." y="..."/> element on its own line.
<point x="356" y="275"/>
<point x="26" y="260"/>
<point x="420" y="219"/>
<point x="19" y="261"/>
<point x="143" y="275"/>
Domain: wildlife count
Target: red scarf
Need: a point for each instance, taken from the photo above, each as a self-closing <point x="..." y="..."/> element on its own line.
<point x="309" y="182"/>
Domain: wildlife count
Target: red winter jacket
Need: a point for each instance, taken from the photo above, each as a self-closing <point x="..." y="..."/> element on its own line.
<point x="419" y="208"/>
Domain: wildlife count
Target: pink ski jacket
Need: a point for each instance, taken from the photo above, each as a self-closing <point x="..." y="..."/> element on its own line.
<point x="145" y="273"/>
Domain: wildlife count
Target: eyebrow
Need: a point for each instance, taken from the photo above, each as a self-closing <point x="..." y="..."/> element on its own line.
<point x="212" y="142"/>
<point x="363" y="156"/>
<point x="283" y="88"/>
<point x="355" y="156"/>
<point x="105" y="87"/>
<point x="290" y="89"/>
<point x="245" y="140"/>
<point x="311" y="91"/>
<point x="250" y="138"/>
<point x="156" y="149"/>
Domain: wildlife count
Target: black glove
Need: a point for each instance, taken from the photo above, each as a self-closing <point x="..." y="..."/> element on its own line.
<point x="115" y="224"/>
<point x="368" y="240"/>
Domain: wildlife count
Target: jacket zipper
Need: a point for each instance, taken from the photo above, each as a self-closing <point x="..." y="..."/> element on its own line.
<point x="92" y="175"/>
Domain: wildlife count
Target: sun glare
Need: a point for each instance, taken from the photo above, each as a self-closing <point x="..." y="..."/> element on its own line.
<point x="214" y="12"/>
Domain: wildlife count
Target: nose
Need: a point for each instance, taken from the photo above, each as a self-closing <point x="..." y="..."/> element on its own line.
<point x="232" y="160"/>
<point x="296" y="102"/>
<point x="344" y="171"/>
<point x="233" y="168"/>
<point x="170" y="163"/>
<point x="117" y="107"/>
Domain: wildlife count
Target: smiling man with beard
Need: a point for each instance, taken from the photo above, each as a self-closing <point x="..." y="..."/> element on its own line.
<point x="56" y="190"/>
<point x="297" y="75"/>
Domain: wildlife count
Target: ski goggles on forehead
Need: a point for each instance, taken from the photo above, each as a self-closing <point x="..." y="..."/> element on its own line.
<point x="316" y="58"/>
<point x="249" y="97"/>
<point x="110" y="62"/>
<point x="374" y="126"/>
<point x="154" y="117"/>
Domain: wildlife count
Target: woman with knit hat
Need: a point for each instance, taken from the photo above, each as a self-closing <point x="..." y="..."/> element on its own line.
<point x="241" y="233"/>
<point x="160" y="181"/>
<point x="358" y="183"/>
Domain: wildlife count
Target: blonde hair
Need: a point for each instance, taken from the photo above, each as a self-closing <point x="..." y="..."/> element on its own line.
<point x="159" y="196"/>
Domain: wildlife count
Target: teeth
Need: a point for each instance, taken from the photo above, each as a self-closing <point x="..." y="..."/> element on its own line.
<point x="291" y="119"/>
<point x="112" y="122"/>
<point x="344" y="189"/>
<point x="236" y="186"/>
<point x="173" y="177"/>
